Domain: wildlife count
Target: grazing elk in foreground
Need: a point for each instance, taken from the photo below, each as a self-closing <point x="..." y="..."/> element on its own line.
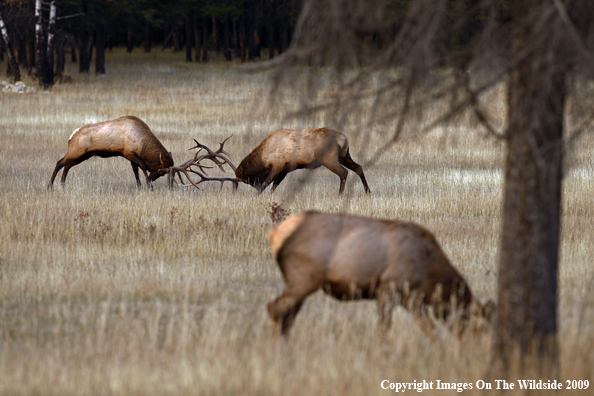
<point x="285" y="150"/>
<point x="127" y="137"/>
<point x="353" y="257"/>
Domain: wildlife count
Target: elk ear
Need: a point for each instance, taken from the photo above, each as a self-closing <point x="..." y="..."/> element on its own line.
<point x="161" y="158"/>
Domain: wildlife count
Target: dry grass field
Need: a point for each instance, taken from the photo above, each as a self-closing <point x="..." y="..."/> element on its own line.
<point x="106" y="289"/>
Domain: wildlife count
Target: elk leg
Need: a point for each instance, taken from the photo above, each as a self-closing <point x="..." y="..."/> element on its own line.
<point x="335" y="167"/>
<point x="278" y="180"/>
<point x="355" y="167"/>
<point x="286" y="306"/>
<point x="59" y="165"/>
<point x="140" y="163"/>
<point x="271" y="176"/>
<point x="135" y="170"/>
<point x="386" y="300"/>
<point x="283" y="311"/>
<point x="69" y="163"/>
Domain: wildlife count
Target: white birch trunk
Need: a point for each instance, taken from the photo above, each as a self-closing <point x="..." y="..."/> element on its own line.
<point x="40" y="59"/>
<point x="13" y="66"/>
<point x="50" y="44"/>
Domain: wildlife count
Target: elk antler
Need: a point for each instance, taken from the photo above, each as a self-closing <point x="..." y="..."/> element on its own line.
<point x="219" y="158"/>
<point x="214" y="156"/>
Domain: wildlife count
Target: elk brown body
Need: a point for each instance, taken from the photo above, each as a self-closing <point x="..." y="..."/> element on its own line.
<point x="127" y="137"/>
<point x="286" y="150"/>
<point x="354" y="257"/>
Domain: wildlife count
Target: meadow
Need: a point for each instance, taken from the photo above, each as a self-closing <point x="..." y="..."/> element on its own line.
<point x="107" y="289"/>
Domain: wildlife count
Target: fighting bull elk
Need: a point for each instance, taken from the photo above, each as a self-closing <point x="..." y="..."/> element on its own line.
<point x="286" y="150"/>
<point x="353" y="257"/>
<point x="127" y="137"/>
<point x="131" y="138"/>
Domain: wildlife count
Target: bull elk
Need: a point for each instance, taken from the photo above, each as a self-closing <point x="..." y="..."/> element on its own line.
<point x="286" y="150"/>
<point x="127" y="137"/>
<point x="353" y="257"/>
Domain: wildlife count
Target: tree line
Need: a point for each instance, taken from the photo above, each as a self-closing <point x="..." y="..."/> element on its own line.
<point x="37" y="35"/>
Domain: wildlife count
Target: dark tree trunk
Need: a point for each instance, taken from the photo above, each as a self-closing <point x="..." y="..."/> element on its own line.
<point x="197" y="37"/>
<point x="20" y="46"/>
<point x="271" y="35"/>
<point x="147" y="37"/>
<point x="176" y="38"/>
<point x="90" y="48"/>
<point x="242" y="49"/>
<point x="252" y="35"/>
<point x="283" y="39"/>
<point x="251" y="18"/>
<point x="258" y="34"/>
<point x="12" y="70"/>
<point x="109" y="37"/>
<point x="215" y="35"/>
<point x="100" y="49"/>
<point x="84" y="52"/>
<point x="51" y="27"/>
<point x="189" y="29"/>
<point x="205" y="38"/>
<point x="235" y="43"/>
<point x="254" y="43"/>
<point x="60" y="56"/>
<point x="73" y="57"/>
<point x="528" y="266"/>
<point x="129" y="41"/>
<point x="30" y="60"/>
<point x="227" y="50"/>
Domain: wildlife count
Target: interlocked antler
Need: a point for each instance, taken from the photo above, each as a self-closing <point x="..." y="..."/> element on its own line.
<point x="219" y="157"/>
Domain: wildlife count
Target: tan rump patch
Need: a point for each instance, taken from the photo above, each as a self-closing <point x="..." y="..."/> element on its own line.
<point x="77" y="129"/>
<point x="279" y="234"/>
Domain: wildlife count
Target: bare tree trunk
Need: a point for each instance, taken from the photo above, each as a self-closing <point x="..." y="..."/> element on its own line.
<point x="129" y="41"/>
<point x="100" y="49"/>
<point x="84" y="52"/>
<point x="242" y="50"/>
<point x="214" y="33"/>
<point x="13" y="67"/>
<point x="176" y="38"/>
<point x="271" y="32"/>
<point x="253" y="42"/>
<point x="27" y="46"/>
<point x="205" y="38"/>
<point x="528" y="265"/>
<point x="109" y="37"/>
<point x="189" y="29"/>
<point x="227" y="44"/>
<point x="197" y="37"/>
<point x="147" y="37"/>
<point x="73" y="46"/>
<point x="235" y="43"/>
<point x="60" y="56"/>
<point x="49" y="73"/>
<point x="20" y="48"/>
<point x="283" y="39"/>
<point x="39" y="47"/>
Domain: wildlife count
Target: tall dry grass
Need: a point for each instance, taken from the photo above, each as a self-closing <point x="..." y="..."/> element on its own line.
<point x="107" y="289"/>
